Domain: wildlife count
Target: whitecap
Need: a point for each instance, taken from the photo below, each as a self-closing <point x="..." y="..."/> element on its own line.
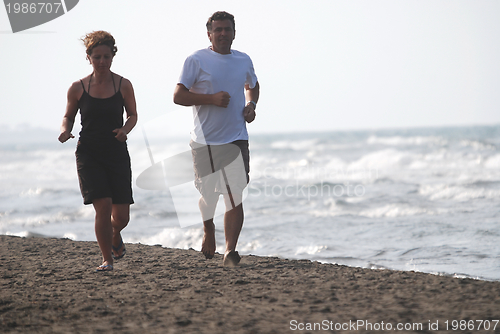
<point x="310" y="250"/>
<point x="400" y="140"/>
<point x="395" y="210"/>
<point x="493" y="162"/>
<point x="173" y="238"/>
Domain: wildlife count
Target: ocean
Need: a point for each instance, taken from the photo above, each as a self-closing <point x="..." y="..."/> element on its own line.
<point x="419" y="199"/>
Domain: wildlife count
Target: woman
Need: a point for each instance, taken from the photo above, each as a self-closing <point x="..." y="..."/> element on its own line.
<point x="103" y="162"/>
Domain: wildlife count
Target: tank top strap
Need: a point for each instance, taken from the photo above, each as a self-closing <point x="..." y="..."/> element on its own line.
<point x="90" y="79"/>
<point x="81" y="81"/>
<point x="120" y="85"/>
<point x="113" y="79"/>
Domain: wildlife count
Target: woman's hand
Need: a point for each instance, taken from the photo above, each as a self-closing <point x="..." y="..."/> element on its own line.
<point x="120" y="134"/>
<point x="64" y="136"/>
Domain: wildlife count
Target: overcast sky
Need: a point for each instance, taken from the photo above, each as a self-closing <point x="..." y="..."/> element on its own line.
<point x="322" y="65"/>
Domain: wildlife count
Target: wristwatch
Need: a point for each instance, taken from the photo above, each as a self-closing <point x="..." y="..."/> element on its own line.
<point x="254" y="104"/>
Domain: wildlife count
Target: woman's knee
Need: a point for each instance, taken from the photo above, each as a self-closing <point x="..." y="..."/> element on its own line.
<point x="121" y="215"/>
<point x="102" y="207"/>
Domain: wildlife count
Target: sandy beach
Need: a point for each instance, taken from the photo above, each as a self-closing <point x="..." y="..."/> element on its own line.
<point x="50" y="286"/>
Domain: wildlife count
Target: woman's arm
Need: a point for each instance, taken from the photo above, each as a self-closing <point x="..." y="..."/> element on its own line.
<point x="74" y="92"/>
<point x="130" y="108"/>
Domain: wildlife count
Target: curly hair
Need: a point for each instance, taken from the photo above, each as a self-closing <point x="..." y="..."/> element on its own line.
<point x="220" y="16"/>
<point x="97" y="38"/>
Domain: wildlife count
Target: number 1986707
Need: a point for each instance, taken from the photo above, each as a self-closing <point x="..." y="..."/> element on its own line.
<point x="471" y="325"/>
<point x="33" y="7"/>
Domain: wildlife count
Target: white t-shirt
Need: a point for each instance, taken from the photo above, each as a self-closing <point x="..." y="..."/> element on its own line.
<point x="209" y="72"/>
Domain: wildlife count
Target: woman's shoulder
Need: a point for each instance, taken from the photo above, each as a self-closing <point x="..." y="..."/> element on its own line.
<point x="122" y="82"/>
<point x="80" y="83"/>
<point x="83" y="81"/>
<point x="119" y="79"/>
<point x="76" y="89"/>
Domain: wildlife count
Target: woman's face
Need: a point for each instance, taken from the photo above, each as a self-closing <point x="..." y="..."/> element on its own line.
<point x="101" y="58"/>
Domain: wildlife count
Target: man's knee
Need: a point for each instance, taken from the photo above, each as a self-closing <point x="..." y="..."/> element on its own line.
<point x="209" y="200"/>
<point x="233" y="200"/>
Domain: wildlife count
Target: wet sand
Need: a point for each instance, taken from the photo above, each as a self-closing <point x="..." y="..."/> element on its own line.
<point x="50" y="286"/>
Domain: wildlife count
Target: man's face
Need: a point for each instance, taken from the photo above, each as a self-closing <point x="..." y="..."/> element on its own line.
<point x="221" y="36"/>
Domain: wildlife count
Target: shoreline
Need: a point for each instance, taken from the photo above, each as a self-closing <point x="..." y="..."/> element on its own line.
<point x="374" y="266"/>
<point x="50" y="286"/>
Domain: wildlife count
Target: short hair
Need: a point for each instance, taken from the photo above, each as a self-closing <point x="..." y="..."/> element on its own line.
<point x="220" y="16"/>
<point x="97" y="38"/>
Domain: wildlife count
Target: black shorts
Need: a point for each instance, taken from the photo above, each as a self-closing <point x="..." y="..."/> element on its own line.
<point x="103" y="175"/>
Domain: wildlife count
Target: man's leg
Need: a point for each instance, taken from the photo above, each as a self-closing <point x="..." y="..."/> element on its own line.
<point x="233" y="223"/>
<point x="207" y="207"/>
<point x="205" y="181"/>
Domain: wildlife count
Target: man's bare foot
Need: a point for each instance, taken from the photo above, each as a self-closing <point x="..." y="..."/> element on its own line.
<point x="208" y="245"/>
<point x="231" y="259"/>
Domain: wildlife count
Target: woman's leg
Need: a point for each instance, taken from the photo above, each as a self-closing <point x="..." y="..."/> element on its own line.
<point x="120" y="216"/>
<point x="103" y="227"/>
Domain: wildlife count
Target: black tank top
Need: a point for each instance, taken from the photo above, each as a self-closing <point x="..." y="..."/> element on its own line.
<point x="99" y="117"/>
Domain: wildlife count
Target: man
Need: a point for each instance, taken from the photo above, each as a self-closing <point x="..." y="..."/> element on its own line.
<point x="221" y="85"/>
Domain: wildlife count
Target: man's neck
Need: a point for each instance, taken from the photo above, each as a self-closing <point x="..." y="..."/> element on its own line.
<point x="222" y="52"/>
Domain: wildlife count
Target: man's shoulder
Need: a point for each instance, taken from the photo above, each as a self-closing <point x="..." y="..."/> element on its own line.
<point x="240" y="54"/>
<point x="207" y="55"/>
<point x="200" y="53"/>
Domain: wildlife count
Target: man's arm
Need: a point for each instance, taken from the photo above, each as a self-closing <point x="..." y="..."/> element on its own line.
<point x="184" y="97"/>
<point x="251" y="94"/>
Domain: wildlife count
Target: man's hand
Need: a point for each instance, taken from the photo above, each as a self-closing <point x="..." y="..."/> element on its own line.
<point x="120" y="134"/>
<point x="249" y="113"/>
<point x="221" y="99"/>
